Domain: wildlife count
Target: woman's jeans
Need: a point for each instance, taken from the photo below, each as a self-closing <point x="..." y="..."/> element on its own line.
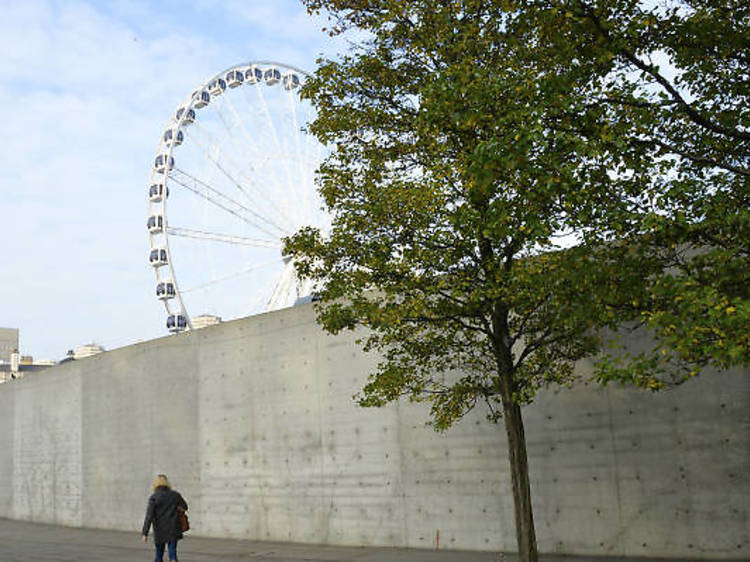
<point x="171" y="547"/>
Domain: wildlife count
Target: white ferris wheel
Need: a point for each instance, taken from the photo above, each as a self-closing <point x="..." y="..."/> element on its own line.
<point x="233" y="174"/>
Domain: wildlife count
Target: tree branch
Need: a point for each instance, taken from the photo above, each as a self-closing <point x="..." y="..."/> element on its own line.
<point x="701" y="159"/>
<point x="651" y="70"/>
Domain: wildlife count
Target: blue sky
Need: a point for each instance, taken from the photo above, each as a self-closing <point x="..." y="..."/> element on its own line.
<point x="86" y="89"/>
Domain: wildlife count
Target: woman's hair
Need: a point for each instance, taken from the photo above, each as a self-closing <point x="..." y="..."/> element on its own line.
<point x="159" y="481"/>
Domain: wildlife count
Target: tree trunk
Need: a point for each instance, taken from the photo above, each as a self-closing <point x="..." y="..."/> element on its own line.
<point x="519" y="470"/>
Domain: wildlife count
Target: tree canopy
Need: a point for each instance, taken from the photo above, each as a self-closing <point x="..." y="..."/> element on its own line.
<point x="678" y="85"/>
<point x="512" y="182"/>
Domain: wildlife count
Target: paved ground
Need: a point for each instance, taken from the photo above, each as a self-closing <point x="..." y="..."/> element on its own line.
<point x="32" y="542"/>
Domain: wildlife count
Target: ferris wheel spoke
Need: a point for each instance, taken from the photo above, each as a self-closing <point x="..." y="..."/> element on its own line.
<point x="195" y="184"/>
<point x="289" y="195"/>
<point x="216" y="197"/>
<point x="280" y="216"/>
<point x="269" y="119"/>
<point x="239" y="186"/>
<point x="228" y="127"/>
<point x="211" y="140"/>
<point x="308" y="163"/>
<point x="300" y="163"/>
<point x="240" y="123"/>
<point x="205" y="140"/>
<point x="265" y="123"/>
<point x="266" y="115"/>
<point x="218" y="237"/>
<point x="233" y="275"/>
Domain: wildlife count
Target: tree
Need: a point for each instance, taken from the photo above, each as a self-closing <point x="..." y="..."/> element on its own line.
<point x="679" y="86"/>
<point x="471" y="138"/>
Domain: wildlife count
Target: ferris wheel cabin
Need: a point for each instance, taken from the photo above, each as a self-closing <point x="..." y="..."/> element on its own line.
<point x="189" y="116"/>
<point x="202" y="99"/>
<point x="217" y="87"/>
<point x="161" y="250"/>
<point x="272" y="76"/>
<point x="155" y="224"/>
<point x="156" y="192"/>
<point x="169" y="136"/>
<point x="253" y="75"/>
<point x="290" y="80"/>
<point x="165" y="290"/>
<point x="163" y="163"/>
<point x="158" y="257"/>
<point x="235" y="78"/>
<point x="176" y="322"/>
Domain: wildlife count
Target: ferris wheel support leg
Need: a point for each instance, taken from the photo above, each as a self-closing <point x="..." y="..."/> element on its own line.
<point x="284" y="293"/>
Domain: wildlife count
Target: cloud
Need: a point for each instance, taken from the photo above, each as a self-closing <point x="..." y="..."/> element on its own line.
<point x="87" y="89"/>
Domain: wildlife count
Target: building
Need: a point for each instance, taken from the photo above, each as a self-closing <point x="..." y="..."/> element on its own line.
<point x="19" y="367"/>
<point x="87" y="350"/>
<point x="8" y="343"/>
<point x="13" y="365"/>
<point x="45" y="362"/>
<point x="205" y="320"/>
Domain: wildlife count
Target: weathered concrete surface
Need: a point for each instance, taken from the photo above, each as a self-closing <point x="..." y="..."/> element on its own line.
<point x="253" y="421"/>
<point x="47" y="483"/>
<point x="7" y="425"/>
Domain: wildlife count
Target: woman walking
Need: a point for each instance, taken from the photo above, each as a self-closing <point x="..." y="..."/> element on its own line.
<point x="162" y="514"/>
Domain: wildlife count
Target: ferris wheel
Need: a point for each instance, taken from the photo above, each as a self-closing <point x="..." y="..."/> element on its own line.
<point x="233" y="174"/>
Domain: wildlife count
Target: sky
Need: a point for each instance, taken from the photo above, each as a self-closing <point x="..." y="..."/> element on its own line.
<point x="86" y="90"/>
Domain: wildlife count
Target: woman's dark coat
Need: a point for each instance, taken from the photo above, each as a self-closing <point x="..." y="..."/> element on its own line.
<point x="162" y="512"/>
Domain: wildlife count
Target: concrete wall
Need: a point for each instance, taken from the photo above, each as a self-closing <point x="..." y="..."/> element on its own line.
<point x="254" y="423"/>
